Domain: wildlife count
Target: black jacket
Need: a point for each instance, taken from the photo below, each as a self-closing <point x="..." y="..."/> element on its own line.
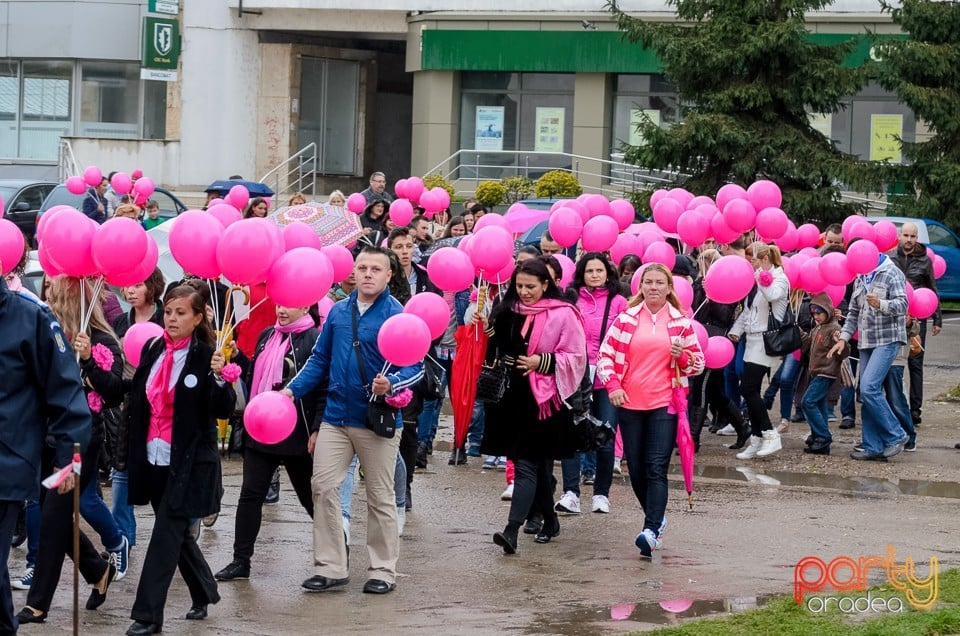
<point x="124" y="321"/>
<point x="195" y="485"/>
<point x="918" y="269"/>
<point x="41" y="395"/>
<point x="718" y="318"/>
<point x="309" y="409"/>
<point x="108" y="383"/>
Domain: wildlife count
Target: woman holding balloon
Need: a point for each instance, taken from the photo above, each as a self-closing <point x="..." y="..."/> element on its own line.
<point x="281" y="351"/>
<point x="769" y="296"/>
<point x="176" y="395"/>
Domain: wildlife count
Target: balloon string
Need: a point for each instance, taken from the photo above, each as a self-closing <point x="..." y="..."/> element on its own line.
<point x="701" y="307"/>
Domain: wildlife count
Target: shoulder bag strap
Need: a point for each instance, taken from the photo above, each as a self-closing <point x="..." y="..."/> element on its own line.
<point x="356" y="347"/>
<point x="606" y="316"/>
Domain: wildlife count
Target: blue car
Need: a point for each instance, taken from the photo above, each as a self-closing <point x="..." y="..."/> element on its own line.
<point x="943" y="241"/>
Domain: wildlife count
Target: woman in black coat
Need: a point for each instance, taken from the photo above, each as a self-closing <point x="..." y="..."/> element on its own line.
<point x="173" y="461"/>
<point x="281" y="352"/>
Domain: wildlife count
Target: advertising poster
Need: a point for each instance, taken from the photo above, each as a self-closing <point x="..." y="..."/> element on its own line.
<point x="489" y="129"/>
<point x="637" y="117"/>
<point x="884" y="131"/>
<point x="549" y="137"/>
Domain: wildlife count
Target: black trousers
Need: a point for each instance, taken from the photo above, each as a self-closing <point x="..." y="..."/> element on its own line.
<point x="171" y="545"/>
<point x="56" y="537"/>
<point x="258" y="469"/>
<point x="9" y="510"/>
<point x="532" y="491"/>
<point x="750" y="384"/>
<point x="915" y="365"/>
<point x="409" y="439"/>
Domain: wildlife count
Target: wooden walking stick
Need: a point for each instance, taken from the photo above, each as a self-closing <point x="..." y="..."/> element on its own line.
<point x="76" y="544"/>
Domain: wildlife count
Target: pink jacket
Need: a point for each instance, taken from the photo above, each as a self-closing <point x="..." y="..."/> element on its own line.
<point x="592" y="304"/>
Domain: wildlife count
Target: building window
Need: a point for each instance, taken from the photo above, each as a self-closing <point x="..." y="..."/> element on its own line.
<point x="636" y="98"/>
<point x="45" y="107"/>
<point x="109" y="99"/>
<point x="9" y="107"/>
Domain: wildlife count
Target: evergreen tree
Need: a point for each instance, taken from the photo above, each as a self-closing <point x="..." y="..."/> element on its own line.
<point x="748" y="75"/>
<point x="924" y="71"/>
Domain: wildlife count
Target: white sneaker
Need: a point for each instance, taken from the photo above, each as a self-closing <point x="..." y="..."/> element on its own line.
<point x="346" y="529"/>
<point x="617" y="470"/>
<point x="507" y="494"/>
<point x="771" y="444"/>
<point x="751" y="450"/>
<point x="783" y="426"/>
<point x="727" y="431"/>
<point x="24" y="582"/>
<point x="601" y="504"/>
<point x="401" y="520"/>
<point x="569" y="504"/>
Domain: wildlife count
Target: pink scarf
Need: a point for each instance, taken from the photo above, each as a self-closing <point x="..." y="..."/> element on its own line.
<point x="268" y="369"/>
<point x="555" y="327"/>
<point x="160" y="394"/>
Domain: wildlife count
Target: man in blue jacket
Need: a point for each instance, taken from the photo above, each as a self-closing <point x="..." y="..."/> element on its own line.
<point x="343" y="432"/>
<point x="41" y="401"/>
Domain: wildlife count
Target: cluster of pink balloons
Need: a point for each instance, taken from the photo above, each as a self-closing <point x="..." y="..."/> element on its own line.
<point x="135" y="184"/>
<point x="592" y="219"/>
<point x="73" y="244"/>
<point x="410" y="192"/>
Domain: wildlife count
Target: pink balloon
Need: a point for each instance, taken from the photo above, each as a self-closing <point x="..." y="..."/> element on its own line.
<point x="323" y="308"/>
<point x="433" y="310"/>
<point x="442" y="196"/>
<point x="848" y="224"/>
<point x="496" y="248"/>
<point x="270" y="417"/>
<point x="581" y="209"/>
<point x="739" y="215"/>
<point x="247" y="251"/>
<point x="342" y="261"/>
<point x="722" y="232"/>
<point x="119" y="245"/>
<point x="772" y="223"/>
<point x="299" y="234"/>
<point x="930" y="252"/>
<point x="138" y="335"/>
<point x="623" y="213"/>
<point x="568" y="269"/>
<point x="667" y="213"/>
<point x="92" y="176"/>
<point x="356" y="203"/>
<point x="401" y="212"/>
<point x="429" y="202"/>
<point x="810" y="278"/>
<point x="238" y="196"/>
<point x="121" y="183"/>
<point x="684" y="291"/>
<point x="599" y="234"/>
<point x="625" y="244"/>
<point x="924" y="303"/>
<point x="403" y="339"/>
<point x="833" y="268"/>
<point x="836" y="293"/>
<point x="728" y="193"/>
<point x="886" y="235"/>
<point x="11" y="246"/>
<point x="414" y="188"/>
<point x="788" y="242"/>
<point x="399" y="188"/>
<point x="657" y="197"/>
<point x="703" y="338"/>
<point x="696" y="202"/>
<point x="909" y="294"/>
<point x="521" y="218"/>
<point x="810" y="252"/>
<point x="862" y="257"/>
<point x="46" y="263"/>
<point x="75" y="185"/>
<point x="681" y="196"/>
<point x="693" y="228"/>
<point x="565" y="226"/>
<point x="299" y="278"/>
<point x="808" y="235"/>
<point x="501" y="277"/>
<point x="139" y="272"/>
<point x="660" y="252"/>
<point x="791" y="267"/>
<point x="719" y="352"/>
<point x="729" y="279"/>
<point x="68" y="240"/>
<point x="144" y="187"/>
<point x="136" y="174"/>
<point x="865" y="231"/>
<point x="225" y="213"/>
<point x="635" y="281"/>
<point x="939" y="266"/>
<point x="194" y="237"/>
<point x="490" y="219"/>
<point x="450" y="269"/>
<point x="213" y="202"/>
<point x="646" y="239"/>
<point x="764" y="194"/>
<point x="597" y="205"/>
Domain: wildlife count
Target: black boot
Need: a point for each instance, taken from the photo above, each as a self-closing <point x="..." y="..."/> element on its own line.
<point x="507" y="540"/>
<point x="698" y="416"/>
<point x="421" y="456"/>
<point x="819" y="446"/>
<point x="739" y="423"/>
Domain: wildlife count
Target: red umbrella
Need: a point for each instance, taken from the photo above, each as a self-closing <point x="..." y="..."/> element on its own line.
<point x="471" y="351"/>
<point x="678" y="402"/>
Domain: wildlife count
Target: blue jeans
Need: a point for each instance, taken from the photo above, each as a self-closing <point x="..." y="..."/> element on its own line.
<point x="475" y="432"/>
<point x="880" y="426"/>
<point x="815" y="407"/>
<point x="33" y="531"/>
<point x="429" y="418"/>
<point x="604" y="411"/>
<point x="848" y="395"/>
<point x="893" y="388"/>
<point x="346" y="487"/>
<point x="649" y="438"/>
<point x="733" y="372"/>
<point x="94" y="510"/>
<point x="123" y="511"/>
<point x="570" y="469"/>
<point x="790" y="371"/>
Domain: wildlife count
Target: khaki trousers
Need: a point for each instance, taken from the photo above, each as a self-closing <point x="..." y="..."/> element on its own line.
<point x="335" y="448"/>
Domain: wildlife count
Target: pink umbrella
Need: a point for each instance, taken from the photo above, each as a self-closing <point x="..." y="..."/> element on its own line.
<point x="678" y="402"/>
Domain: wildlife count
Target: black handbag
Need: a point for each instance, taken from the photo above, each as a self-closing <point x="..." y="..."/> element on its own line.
<point x="591" y="434"/>
<point x="782" y="337"/>
<point x="493" y="382"/>
<point x="381" y="418"/>
<point x="431" y="387"/>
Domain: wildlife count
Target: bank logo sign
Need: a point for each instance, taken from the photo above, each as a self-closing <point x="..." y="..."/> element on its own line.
<point x="161" y="43"/>
<point x="163" y="38"/>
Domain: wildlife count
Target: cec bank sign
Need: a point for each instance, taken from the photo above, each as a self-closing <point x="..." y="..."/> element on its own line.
<point x="161" y="49"/>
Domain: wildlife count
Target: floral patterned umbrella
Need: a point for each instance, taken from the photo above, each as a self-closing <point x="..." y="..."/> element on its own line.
<point x="334" y="225"/>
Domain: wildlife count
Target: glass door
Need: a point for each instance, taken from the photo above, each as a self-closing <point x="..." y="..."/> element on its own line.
<point x="329" y="97"/>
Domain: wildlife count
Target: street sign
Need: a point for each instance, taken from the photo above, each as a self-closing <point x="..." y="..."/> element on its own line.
<point x="161" y="48"/>
<point x="158" y="75"/>
<point x="170" y="7"/>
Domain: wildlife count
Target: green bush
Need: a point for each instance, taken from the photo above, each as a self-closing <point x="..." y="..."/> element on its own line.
<point x="558" y="184"/>
<point x="517" y="189"/>
<point x="490" y="193"/>
<point x="435" y="180"/>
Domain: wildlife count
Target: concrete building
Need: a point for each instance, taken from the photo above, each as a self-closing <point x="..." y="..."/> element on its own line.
<point x="391" y="85"/>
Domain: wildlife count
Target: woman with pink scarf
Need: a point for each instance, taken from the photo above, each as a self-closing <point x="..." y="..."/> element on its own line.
<point x="539" y="337"/>
<point x="281" y="351"/>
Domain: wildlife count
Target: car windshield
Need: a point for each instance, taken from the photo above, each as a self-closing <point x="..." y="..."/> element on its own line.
<point x="61" y="196"/>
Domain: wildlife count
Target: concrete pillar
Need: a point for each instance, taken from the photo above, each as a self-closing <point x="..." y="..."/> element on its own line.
<point x="436" y="117"/>
<point x="277" y="86"/>
<point x="592" y="123"/>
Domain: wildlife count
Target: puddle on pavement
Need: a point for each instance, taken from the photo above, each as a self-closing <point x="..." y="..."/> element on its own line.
<point x="669" y="612"/>
<point x="863" y="485"/>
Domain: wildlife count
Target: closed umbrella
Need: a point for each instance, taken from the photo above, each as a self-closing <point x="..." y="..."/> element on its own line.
<point x="334" y="225"/>
<point x="678" y="402"/>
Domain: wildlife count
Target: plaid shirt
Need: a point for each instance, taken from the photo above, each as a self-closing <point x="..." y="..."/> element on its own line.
<point x="888" y="323"/>
<point x="612" y="363"/>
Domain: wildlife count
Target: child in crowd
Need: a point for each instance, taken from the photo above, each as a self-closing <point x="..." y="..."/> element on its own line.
<point x="824" y="370"/>
<point x="153" y="215"/>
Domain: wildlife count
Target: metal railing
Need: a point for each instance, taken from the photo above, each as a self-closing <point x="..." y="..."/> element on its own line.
<point x="297" y="173"/>
<point x="67" y="165"/>
<point x="466" y="168"/>
<point x="873" y="205"/>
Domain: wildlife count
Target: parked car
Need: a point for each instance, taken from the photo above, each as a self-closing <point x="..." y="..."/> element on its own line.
<point x="21" y="200"/>
<point x="943" y="241"/>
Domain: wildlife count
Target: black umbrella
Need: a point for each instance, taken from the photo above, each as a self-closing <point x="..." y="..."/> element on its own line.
<point x="255" y="188"/>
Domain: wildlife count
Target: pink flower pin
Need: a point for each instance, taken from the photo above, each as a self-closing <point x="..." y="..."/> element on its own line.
<point x="231" y="372"/>
<point x="94" y="401"/>
<point x="102" y="356"/>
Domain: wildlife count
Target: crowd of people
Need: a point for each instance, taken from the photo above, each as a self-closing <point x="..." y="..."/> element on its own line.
<point x="559" y="352"/>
